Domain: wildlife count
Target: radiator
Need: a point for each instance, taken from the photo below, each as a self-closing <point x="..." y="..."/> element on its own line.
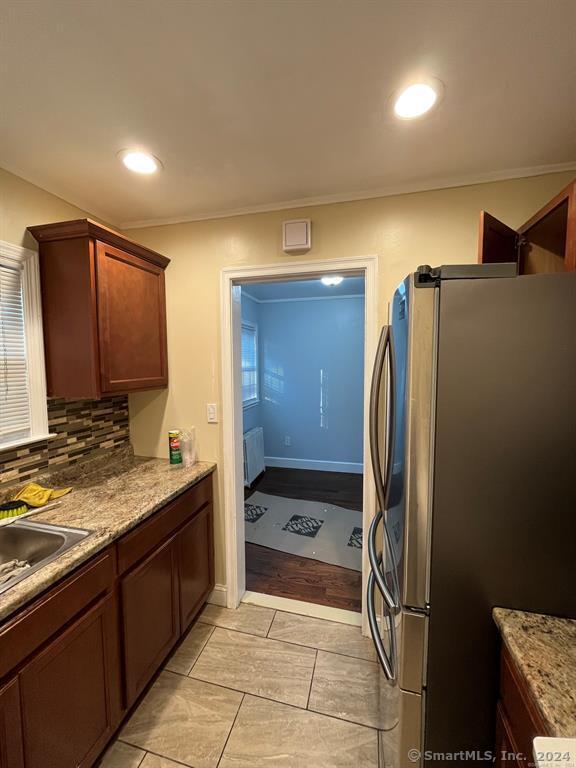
<point x="253" y="454"/>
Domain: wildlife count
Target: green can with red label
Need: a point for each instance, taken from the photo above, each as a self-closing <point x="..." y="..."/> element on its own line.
<point x="174" y="448"/>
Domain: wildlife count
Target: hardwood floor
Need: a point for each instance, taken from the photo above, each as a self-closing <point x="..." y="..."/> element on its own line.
<point x="300" y="578"/>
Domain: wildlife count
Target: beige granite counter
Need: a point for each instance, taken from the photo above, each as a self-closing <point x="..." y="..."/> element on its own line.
<point x="544" y="649"/>
<point x="110" y="496"/>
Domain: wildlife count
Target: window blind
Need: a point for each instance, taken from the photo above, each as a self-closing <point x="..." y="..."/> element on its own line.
<point x="249" y="364"/>
<point x="14" y="394"/>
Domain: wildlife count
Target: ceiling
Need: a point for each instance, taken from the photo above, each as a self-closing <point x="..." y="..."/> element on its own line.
<point x="303" y="289"/>
<point x="261" y="104"/>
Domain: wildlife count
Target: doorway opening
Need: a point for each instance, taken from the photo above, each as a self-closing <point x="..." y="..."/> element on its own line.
<point x="292" y="470"/>
<point x="302" y="382"/>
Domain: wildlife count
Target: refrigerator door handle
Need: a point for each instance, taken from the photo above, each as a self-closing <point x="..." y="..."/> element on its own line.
<point x="385" y="344"/>
<point x="382" y="486"/>
<point x="388" y="663"/>
<point x="376" y="563"/>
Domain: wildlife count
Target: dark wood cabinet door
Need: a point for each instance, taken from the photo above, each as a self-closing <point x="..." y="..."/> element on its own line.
<point x="196" y="564"/>
<point x="497" y="242"/>
<point x="506" y="750"/>
<point x="11" y="753"/>
<point x="131" y="321"/>
<point x="150" y="616"/>
<point x="70" y="693"/>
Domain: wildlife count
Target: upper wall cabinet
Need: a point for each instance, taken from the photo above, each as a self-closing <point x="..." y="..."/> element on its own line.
<point x="545" y="243"/>
<point x="104" y="311"/>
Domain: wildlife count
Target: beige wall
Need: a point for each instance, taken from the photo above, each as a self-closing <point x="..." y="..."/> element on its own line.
<point x="23" y="205"/>
<point x="405" y="231"/>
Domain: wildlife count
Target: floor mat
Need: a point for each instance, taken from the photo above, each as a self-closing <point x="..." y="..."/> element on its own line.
<point x="322" y="532"/>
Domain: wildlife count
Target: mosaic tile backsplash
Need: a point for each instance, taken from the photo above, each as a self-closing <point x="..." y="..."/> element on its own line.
<point x="83" y="428"/>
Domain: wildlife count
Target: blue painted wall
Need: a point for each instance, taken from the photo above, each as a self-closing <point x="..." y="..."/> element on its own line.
<point x="312" y="378"/>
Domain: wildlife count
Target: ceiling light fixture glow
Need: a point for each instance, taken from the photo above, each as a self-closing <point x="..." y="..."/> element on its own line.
<point x="140" y="162"/>
<point x="332" y="280"/>
<point x="415" y="101"/>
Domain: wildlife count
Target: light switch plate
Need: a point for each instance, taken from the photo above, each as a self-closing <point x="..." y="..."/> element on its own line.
<point x="212" y="413"/>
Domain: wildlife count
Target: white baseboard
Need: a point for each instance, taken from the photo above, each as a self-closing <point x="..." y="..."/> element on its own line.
<point x="322" y="466"/>
<point x="219" y="595"/>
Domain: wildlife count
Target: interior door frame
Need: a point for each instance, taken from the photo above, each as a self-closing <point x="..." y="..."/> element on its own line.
<point x="232" y="470"/>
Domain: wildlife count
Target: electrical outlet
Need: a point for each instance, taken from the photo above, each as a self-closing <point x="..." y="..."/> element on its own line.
<point x="212" y="413"/>
<point x="287" y="440"/>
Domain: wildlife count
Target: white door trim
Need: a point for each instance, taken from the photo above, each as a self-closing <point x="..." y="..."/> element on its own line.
<point x="232" y="406"/>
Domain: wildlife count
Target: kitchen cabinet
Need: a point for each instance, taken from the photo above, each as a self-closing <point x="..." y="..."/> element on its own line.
<point x="518" y="720"/>
<point x="150" y="611"/>
<point x="70" y="692"/>
<point x="75" y="660"/>
<point x="167" y="572"/>
<point x="11" y="751"/>
<point x="545" y="243"/>
<point x="195" y="565"/>
<point x="104" y="311"/>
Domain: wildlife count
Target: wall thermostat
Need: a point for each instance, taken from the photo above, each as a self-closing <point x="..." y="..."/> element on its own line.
<point x="296" y="235"/>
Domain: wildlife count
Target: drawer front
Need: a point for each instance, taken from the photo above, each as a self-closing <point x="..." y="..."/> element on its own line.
<point x="147" y="536"/>
<point x="520" y="713"/>
<point x="30" y="629"/>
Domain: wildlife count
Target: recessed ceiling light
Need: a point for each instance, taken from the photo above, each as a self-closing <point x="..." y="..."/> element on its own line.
<point x="332" y="280"/>
<point x="140" y="162"/>
<point x="415" y="101"/>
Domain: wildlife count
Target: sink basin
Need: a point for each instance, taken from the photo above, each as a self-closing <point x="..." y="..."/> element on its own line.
<point x="37" y="543"/>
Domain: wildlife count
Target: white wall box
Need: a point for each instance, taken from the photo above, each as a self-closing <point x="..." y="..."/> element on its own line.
<point x="297" y="235"/>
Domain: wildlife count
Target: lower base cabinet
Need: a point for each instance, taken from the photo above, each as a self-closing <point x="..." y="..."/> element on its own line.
<point x="149" y="597"/>
<point x="11" y="749"/>
<point x="518" y="720"/>
<point x="75" y="660"/>
<point x="70" y="693"/>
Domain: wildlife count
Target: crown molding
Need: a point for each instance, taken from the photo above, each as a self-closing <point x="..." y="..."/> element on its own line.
<point x="302" y="298"/>
<point x="349" y="197"/>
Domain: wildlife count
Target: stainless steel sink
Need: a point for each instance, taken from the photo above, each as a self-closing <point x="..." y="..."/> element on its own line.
<point x="37" y="543"/>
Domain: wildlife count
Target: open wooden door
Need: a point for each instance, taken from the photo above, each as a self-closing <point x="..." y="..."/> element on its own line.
<point x="497" y="242"/>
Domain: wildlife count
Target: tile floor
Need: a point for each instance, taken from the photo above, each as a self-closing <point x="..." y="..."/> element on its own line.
<point x="255" y="688"/>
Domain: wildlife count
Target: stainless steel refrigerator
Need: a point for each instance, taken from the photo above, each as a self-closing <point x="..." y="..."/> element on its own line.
<point x="477" y="480"/>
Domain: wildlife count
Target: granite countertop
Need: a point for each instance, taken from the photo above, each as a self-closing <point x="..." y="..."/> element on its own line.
<point x="544" y="649"/>
<point x="110" y="495"/>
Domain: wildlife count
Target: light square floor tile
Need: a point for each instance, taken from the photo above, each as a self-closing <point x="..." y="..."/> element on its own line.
<point x="268" y="668"/>
<point x="270" y="734"/>
<point x="322" y="634"/>
<point x="154" y="761"/>
<point x="182" y="660"/>
<point x="183" y="719"/>
<point x="352" y="689"/>
<point x="252" y="619"/>
<point x="121" y="755"/>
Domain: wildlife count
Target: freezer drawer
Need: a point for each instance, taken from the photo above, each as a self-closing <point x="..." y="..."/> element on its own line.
<point x="400" y="747"/>
<point x="412" y="635"/>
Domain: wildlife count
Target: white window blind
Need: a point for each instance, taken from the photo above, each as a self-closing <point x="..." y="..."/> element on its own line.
<point x="15" y="420"/>
<point x="250" y="373"/>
